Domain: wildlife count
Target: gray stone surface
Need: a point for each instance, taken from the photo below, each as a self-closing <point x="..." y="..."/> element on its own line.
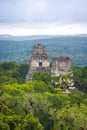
<point x="60" y="65"/>
<point x="39" y="62"/>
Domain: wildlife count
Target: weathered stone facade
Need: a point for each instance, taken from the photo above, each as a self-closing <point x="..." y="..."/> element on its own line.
<point x="60" y="65"/>
<point x="39" y="61"/>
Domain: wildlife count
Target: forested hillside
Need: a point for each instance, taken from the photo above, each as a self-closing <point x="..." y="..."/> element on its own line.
<point x="40" y="104"/>
<point x="73" y="47"/>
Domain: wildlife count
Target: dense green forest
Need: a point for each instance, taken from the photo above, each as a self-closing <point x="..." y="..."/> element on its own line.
<point x="40" y="104"/>
<point x="73" y="47"/>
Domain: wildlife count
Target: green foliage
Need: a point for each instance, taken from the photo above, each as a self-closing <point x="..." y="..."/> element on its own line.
<point x="8" y="65"/>
<point x="76" y="97"/>
<point x="4" y="126"/>
<point x="31" y="123"/>
<point x="42" y="76"/>
<point x="59" y="100"/>
<point x="40" y="86"/>
<point x="71" y="118"/>
<point x="40" y="103"/>
<point x="11" y="72"/>
<point x="80" y="78"/>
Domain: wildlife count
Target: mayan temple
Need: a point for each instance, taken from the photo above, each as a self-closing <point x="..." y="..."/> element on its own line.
<point x="60" y="65"/>
<point x="39" y="61"/>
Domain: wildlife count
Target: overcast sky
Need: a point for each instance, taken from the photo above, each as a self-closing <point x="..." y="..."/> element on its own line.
<point x="30" y="17"/>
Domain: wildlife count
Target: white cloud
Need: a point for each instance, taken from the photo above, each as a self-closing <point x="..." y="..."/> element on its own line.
<point x="30" y="17"/>
<point x="49" y="29"/>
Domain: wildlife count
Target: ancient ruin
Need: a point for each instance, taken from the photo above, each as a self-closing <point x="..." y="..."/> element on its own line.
<point x="60" y="65"/>
<point x="39" y="62"/>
